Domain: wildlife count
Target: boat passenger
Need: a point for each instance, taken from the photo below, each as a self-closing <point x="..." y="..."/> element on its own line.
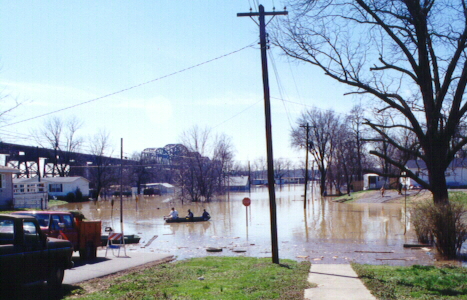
<point x="205" y="215"/>
<point x="190" y="216"/>
<point x="173" y="215"/>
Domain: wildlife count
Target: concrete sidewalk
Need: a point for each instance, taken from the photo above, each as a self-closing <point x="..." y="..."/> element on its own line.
<point x="111" y="264"/>
<point x="336" y="281"/>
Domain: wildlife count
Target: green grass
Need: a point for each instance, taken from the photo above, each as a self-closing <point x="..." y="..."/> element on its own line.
<point x="224" y="278"/>
<point x="415" y="282"/>
<point x="460" y="197"/>
<point x="353" y="196"/>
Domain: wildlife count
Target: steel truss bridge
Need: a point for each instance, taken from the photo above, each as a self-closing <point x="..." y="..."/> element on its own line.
<point x="33" y="161"/>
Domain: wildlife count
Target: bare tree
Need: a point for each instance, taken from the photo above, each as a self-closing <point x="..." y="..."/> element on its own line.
<point x="202" y="170"/>
<point x="8" y="104"/>
<point x="410" y="55"/>
<point x="102" y="172"/>
<point x="321" y="138"/>
<point x="139" y="171"/>
<point x="281" y="168"/>
<point x="62" y="137"/>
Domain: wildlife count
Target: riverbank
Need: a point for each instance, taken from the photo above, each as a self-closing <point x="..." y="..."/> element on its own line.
<point x="390" y="196"/>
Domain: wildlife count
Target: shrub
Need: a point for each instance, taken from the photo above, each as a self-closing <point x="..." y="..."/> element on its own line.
<point x="442" y="224"/>
<point x="78" y="195"/>
<point x="70" y="197"/>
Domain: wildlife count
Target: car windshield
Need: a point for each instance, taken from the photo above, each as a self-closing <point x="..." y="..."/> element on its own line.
<point x="43" y="219"/>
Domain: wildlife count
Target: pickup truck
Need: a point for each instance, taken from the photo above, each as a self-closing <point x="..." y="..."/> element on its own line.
<point x="28" y="256"/>
<point x="85" y="235"/>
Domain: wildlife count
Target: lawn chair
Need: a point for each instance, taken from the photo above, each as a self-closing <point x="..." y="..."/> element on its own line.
<point x="115" y="241"/>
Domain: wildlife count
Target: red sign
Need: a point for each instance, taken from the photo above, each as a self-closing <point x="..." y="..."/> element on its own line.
<point x="246" y="201"/>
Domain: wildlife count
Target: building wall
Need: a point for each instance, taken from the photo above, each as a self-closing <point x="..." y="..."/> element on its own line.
<point x="68" y="187"/>
<point x="6" y="191"/>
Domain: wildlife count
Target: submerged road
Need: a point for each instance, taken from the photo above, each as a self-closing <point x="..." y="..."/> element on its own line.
<point x="103" y="266"/>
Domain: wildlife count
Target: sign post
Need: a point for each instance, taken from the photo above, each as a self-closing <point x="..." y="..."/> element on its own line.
<point x="246" y="201"/>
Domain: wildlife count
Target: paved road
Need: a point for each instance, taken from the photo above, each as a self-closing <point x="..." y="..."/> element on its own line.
<point x="111" y="264"/>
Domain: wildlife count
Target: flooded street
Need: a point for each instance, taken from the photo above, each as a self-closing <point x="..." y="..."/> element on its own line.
<point x="326" y="232"/>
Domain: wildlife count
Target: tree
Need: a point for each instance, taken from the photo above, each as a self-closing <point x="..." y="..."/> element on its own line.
<point x="7" y="107"/>
<point x="60" y="136"/>
<point x="203" y="167"/>
<point x="408" y="54"/>
<point x="139" y="172"/>
<point x="102" y="172"/>
<point x="321" y="138"/>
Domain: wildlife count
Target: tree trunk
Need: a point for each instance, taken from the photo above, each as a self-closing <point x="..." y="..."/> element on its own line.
<point x="439" y="187"/>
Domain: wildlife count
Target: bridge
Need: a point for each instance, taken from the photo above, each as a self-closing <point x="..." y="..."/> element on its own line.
<point x="33" y="161"/>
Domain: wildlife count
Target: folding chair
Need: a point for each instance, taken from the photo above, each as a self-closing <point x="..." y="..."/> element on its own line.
<point x="115" y="241"/>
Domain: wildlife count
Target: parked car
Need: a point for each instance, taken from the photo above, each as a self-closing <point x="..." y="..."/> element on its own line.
<point x="27" y="255"/>
<point x="85" y="235"/>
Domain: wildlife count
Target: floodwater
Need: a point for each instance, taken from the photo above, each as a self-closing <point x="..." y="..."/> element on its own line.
<point x="326" y="232"/>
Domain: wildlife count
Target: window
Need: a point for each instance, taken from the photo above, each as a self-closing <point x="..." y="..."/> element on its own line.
<point x="6" y="231"/>
<point x="55" y="187"/>
<point x="31" y="235"/>
<point x="68" y="220"/>
<point x="55" y="222"/>
<point x="2" y="181"/>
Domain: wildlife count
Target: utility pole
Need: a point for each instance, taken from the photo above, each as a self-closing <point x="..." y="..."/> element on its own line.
<point x="307" y="127"/>
<point x="121" y="184"/>
<point x="267" y="112"/>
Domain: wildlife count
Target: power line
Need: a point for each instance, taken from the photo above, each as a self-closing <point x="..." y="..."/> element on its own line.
<point x="279" y="85"/>
<point x="129" y="88"/>
<point x="225" y="121"/>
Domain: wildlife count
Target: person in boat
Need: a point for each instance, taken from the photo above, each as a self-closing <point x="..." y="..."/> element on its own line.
<point x="190" y="215"/>
<point x="173" y="215"/>
<point x="205" y="215"/>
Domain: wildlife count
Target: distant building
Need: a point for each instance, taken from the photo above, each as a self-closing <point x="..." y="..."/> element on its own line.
<point x="373" y="181"/>
<point x="6" y="186"/>
<point x="456" y="173"/>
<point x="59" y="186"/>
<point x="163" y="188"/>
<point x="237" y="183"/>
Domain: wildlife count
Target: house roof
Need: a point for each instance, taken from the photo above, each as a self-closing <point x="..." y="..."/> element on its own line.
<point x="4" y="169"/>
<point x="420" y="164"/>
<point x="238" y="181"/>
<point x="50" y="179"/>
<point x="164" y="184"/>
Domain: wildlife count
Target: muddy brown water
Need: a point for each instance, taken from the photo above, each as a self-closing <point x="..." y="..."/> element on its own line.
<point x="326" y="232"/>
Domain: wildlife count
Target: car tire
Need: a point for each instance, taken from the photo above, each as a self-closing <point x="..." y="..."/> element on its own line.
<point x="56" y="277"/>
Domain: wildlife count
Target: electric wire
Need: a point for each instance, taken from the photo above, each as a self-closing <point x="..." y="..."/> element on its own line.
<point x="279" y="85"/>
<point x="129" y="88"/>
<point x="239" y="113"/>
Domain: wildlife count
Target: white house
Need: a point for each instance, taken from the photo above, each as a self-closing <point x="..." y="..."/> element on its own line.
<point x="456" y="173"/>
<point x="374" y="181"/>
<point x="59" y="186"/>
<point x="237" y="183"/>
<point x="6" y="186"/>
<point x="164" y="188"/>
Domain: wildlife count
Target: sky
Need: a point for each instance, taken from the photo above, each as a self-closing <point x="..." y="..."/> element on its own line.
<point x="146" y="71"/>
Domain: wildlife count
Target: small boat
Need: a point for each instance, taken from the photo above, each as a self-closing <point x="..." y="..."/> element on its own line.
<point x="129" y="239"/>
<point x="195" y="219"/>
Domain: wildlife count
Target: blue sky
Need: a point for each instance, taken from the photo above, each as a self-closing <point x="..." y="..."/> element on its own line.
<point x="57" y="54"/>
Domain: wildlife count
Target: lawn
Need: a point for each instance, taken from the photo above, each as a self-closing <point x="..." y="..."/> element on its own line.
<point x="204" y="278"/>
<point x="415" y="282"/>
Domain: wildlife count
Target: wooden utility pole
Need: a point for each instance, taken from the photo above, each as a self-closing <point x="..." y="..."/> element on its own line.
<point x="307" y="127"/>
<point x="121" y="185"/>
<point x="267" y="112"/>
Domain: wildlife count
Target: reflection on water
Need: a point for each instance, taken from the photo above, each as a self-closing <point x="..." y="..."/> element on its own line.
<point x="327" y="232"/>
